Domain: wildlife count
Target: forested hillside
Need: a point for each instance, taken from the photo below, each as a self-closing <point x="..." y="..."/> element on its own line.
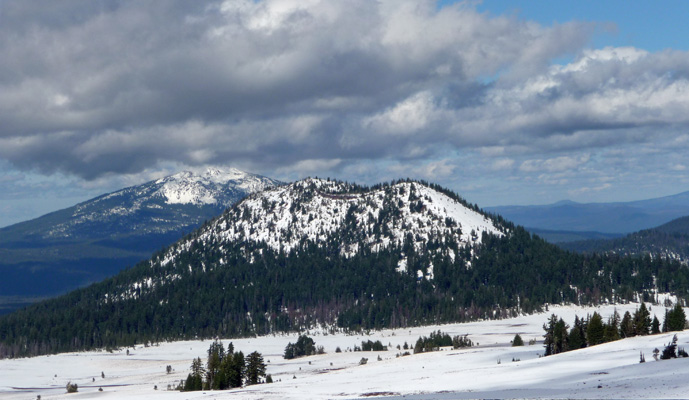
<point x="669" y="240"/>
<point x="415" y="264"/>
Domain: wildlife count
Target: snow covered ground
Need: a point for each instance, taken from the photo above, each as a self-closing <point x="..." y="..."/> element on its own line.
<point x="608" y="371"/>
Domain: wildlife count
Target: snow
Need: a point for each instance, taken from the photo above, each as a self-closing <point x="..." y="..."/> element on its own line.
<point x="282" y="217"/>
<point x="207" y="188"/>
<point x="611" y="370"/>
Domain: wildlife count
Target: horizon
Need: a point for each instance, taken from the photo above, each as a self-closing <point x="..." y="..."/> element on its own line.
<point x="202" y="170"/>
<point x="505" y="103"/>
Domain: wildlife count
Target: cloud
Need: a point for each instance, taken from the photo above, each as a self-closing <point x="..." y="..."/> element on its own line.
<point x="502" y="164"/>
<point x="101" y="89"/>
<point x="93" y="89"/>
<point x="557" y="164"/>
<point x="588" y="189"/>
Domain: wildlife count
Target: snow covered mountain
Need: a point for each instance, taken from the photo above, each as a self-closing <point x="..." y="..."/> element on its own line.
<point x="97" y="238"/>
<point x="349" y="217"/>
<point x="173" y="203"/>
<point x="321" y="253"/>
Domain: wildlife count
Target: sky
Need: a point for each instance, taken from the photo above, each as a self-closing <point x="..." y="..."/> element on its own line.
<point x="519" y="102"/>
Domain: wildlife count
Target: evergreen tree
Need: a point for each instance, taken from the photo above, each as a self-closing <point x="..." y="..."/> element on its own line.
<point x="236" y="371"/>
<point x="666" y="321"/>
<point x="642" y="320"/>
<point x="577" y="336"/>
<point x="595" y="330"/>
<point x="611" y="330"/>
<point x="216" y="355"/>
<point x="627" y="326"/>
<point x="655" y="326"/>
<point x="670" y="351"/>
<point x="549" y="337"/>
<point x="561" y="336"/>
<point x="195" y="378"/>
<point x="676" y="319"/>
<point x="255" y="368"/>
<point x="517" y="341"/>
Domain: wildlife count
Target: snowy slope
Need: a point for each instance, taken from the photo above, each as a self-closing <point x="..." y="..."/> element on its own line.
<point x="158" y="206"/>
<point x="608" y="371"/>
<point x="326" y="212"/>
<point x="95" y="239"/>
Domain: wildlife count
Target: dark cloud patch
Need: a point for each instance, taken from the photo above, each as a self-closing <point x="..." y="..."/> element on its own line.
<point x="101" y="88"/>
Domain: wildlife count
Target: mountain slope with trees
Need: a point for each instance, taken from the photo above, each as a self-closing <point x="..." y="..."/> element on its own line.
<point x="669" y="240"/>
<point x="329" y="253"/>
<point x="95" y="239"/>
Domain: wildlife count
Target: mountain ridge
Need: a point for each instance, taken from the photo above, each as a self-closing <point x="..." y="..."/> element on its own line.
<point x="94" y="239"/>
<point x="601" y="218"/>
<point x="670" y="240"/>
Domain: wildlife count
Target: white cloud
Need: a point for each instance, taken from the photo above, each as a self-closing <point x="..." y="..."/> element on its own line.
<point x="557" y="164"/>
<point x="503" y="164"/>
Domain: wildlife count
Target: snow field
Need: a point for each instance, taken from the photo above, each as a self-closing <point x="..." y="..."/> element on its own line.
<point x="610" y="370"/>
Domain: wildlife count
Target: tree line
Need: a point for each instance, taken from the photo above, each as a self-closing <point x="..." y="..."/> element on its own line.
<point x="592" y="330"/>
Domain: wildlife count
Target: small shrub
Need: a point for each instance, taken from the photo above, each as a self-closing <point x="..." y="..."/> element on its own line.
<point x="72" y="387"/>
<point x="517" y="341"/>
<point x="363" y="361"/>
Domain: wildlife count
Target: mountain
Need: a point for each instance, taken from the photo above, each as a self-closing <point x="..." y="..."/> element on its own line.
<point x="558" y="237"/>
<point x="320" y="253"/>
<point x="669" y="240"/>
<point x="95" y="239"/>
<point x="607" y="218"/>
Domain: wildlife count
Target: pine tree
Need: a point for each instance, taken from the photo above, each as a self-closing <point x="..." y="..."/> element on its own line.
<point x="549" y="337"/>
<point x="670" y="351"/>
<point x="216" y="354"/>
<point x="236" y="371"/>
<point x="666" y="321"/>
<point x="594" y="332"/>
<point x="642" y="320"/>
<point x="611" y="330"/>
<point x="561" y="336"/>
<point x="195" y="378"/>
<point x="255" y="368"/>
<point x="627" y="326"/>
<point x="655" y="326"/>
<point x="676" y="319"/>
<point x="517" y="341"/>
<point x="577" y="336"/>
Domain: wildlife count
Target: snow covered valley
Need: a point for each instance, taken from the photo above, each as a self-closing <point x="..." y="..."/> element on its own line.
<point x="487" y="370"/>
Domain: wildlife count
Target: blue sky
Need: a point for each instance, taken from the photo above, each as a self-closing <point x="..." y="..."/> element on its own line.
<point x="652" y="26"/>
<point x="505" y="102"/>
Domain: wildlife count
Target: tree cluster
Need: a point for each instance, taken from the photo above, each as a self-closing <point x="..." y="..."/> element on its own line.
<point x="225" y="369"/>
<point x="305" y="346"/>
<point x="593" y="330"/>
<point x="439" y="339"/>
<point x="369" y="345"/>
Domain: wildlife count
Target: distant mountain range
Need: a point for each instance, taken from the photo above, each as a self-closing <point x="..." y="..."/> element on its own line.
<point x="95" y="239"/>
<point x="567" y="220"/>
<point x="669" y="240"/>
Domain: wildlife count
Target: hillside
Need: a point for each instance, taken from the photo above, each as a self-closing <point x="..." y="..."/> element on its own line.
<point x="606" y="218"/>
<point x="95" y="239"/>
<point x="325" y="253"/>
<point x="669" y="240"/>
